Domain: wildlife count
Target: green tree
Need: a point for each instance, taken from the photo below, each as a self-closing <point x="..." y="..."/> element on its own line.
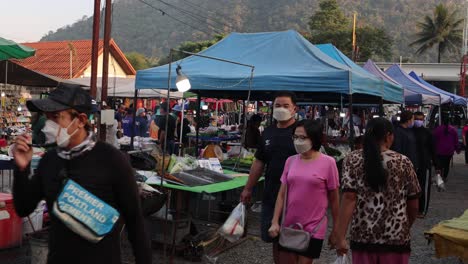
<point x="138" y="60"/>
<point x="442" y="30"/>
<point x="328" y="18"/>
<point x="330" y="25"/>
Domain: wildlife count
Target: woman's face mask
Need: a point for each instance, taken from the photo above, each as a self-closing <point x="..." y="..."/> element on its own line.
<point x="63" y="138"/>
<point x="302" y="143"/>
<point x="281" y="114"/>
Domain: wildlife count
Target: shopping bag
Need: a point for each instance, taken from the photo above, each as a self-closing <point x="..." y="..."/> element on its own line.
<point x="233" y="228"/>
<point x="343" y="259"/>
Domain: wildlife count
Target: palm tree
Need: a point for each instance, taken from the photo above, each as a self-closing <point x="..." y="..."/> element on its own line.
<point x="443" y="30"/>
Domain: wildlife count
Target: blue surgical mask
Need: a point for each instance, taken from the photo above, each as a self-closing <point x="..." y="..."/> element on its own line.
<point x="418" y="123"/>
<point x="411" y="125"/>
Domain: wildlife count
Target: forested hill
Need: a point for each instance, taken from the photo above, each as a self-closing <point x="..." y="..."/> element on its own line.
<point x="152" y="29"/>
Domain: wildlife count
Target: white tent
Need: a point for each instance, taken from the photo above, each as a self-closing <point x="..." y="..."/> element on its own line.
<point x="125" y="87"/>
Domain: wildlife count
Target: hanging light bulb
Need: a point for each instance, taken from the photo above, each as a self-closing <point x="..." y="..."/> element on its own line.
<point x="3" y="94"/>
<point x="182" y="82"/>
<point x="342" y="114"/>
<point x="19" y="108"/>
<point x="204" y="107"/>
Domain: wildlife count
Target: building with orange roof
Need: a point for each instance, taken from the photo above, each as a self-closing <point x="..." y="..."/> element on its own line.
<point x="70" y="59"/>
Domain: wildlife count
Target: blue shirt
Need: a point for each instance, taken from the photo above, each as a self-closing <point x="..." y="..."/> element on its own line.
<point x="127" y="125"/>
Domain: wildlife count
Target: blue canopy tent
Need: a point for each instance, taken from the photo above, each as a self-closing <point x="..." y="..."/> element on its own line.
<point x="283" y="61"/>
<point x="457" y="100"/>
<point x="392" y="92"/>
<point x="410" y="97"/>
<point x="422" y="94"/>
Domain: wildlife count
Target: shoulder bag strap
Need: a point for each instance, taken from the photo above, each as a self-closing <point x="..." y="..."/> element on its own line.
<point x="285" y="199"/>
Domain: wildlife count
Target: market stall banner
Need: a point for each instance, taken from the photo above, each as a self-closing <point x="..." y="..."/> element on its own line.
<point x="283" y="61"/>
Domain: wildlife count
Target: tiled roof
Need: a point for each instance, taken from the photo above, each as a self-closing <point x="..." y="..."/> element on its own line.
<point x="53" y="57"/>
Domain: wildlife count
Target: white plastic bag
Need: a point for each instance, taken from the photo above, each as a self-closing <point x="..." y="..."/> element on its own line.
<point x="343" y="259"/>
<point x="233" y="228"/>
<point x="440" y="183"/>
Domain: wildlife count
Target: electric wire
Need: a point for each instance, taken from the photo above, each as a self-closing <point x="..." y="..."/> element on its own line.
<point x="164" y="13"/>
<point x="216" y="16"/>
<point x="194" y="16"/>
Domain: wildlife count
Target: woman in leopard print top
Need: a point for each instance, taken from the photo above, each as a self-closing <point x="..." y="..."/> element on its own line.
<point x="380" y="191"/>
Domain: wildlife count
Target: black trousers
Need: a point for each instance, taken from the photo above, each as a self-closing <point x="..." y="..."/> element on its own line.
<point x="424" y="178"/>
<point x="466" y="153"/>
<point x="443" y="163"/>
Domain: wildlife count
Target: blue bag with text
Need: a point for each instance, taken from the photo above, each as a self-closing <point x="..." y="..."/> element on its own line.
<point x="84" y="213"/>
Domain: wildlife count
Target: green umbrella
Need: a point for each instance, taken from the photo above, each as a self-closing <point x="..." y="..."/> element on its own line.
<point x="12" y="50"/>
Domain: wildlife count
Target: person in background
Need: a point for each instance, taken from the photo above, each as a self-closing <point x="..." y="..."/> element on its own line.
<point x="275" y="148"/>
<point x="38" y="121"/>
<point x="127" y="124"/>
<point x="168" y="132"/>
<point x="307" y="176"/>
<point x="445" y="140"/>
<point x="465" y="140"/>
<point x="98" y="167"/>
<point x="252" y="133"/>
<point x="405" y="141"/>
<point x="141" y="123"/>
<point x="426" y="157"/>
<point x="380" y="196"/>
<point x="119" y="115"/>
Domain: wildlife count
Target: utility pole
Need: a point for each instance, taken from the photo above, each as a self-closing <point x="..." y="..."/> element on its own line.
<point x="464" y="60"/>
<point x="105" y="61"/>
<point x="95" y="48"/>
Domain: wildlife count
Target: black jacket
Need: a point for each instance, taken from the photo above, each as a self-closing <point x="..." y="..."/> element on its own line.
<point x="405" y="143"/>
<point x="103" y="171"/>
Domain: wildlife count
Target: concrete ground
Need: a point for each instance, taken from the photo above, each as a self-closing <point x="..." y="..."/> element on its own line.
<point x="444" y="205"/>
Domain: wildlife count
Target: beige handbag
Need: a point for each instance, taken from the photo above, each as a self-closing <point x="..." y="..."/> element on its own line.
<point x="292" y="238"/>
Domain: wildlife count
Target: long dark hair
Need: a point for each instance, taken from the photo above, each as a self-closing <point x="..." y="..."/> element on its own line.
<point x="446" y="123"/>
<point x="375" y="174"/>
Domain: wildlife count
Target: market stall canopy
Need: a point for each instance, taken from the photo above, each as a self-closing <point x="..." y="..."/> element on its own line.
<point x="456" y="99"/>
<point x="19" y="75"/>
<point x="423" y="94"/>
<point x="391" y="92"/>
<point x="12" y="50"/>
<point x="125" y="87"/>
<point x="410" y="97"/>
<point x="284" y="61"/>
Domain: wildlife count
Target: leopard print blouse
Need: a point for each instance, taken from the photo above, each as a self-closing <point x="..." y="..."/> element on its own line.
<point x="380" y="219"/>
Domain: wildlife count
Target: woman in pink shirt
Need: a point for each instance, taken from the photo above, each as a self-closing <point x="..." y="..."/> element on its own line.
<point x="312" y="183"/>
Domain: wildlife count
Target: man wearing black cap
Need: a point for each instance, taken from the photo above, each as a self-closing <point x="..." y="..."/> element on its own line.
<point x="97" y="167"/>
<point x="170" y="131"/>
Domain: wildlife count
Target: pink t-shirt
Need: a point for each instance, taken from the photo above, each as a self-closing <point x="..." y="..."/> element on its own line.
<point x="308" y="185"/>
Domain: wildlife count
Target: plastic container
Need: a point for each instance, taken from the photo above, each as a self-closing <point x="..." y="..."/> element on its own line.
<point x="36" y="218"/>
<point x="156" y="226"/>
<point x="39" y="247"/>
<point x="11" y="225"/>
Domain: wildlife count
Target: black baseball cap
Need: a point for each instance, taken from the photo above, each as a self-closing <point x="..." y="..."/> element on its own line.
<point x="65" y="96"/>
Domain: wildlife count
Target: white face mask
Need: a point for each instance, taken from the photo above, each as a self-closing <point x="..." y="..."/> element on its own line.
<point x="302" y="145"/>
<point x="281" y="114"/>
<point x="63" y="138"/>
<point x="50" y="131"/>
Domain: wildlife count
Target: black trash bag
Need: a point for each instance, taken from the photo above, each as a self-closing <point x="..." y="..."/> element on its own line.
<point x="151" y="202"/>
<point x="142" y="161"/>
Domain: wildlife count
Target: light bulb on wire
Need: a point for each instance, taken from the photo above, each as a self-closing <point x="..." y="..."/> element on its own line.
<point x="19" y="108"/>
<point x="182" y="82"/>
<point x="3" y="94"/>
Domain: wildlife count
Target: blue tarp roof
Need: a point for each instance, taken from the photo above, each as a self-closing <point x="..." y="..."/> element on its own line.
<point x="410" y="96"/>
<point x="392" y="92"/>
<point x="458" y="100"/>
<point x="423" y="94"/>
<point x="283" y="61"/>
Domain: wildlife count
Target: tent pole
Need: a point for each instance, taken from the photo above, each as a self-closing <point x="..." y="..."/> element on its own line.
<point x="351" y="123"/>
<point x="197" y="128"/>
<point x="132" y="137"/>
<point x="440" y="110"/>
<point x="181" y="127"/>
<point x="381" y="108"/>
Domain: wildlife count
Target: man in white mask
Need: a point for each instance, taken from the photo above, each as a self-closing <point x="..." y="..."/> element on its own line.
<point x="275" y="148"/>
<point x="98" y="167"/>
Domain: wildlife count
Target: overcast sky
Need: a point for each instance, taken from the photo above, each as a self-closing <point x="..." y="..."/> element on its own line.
<point x="29" y="20"/>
